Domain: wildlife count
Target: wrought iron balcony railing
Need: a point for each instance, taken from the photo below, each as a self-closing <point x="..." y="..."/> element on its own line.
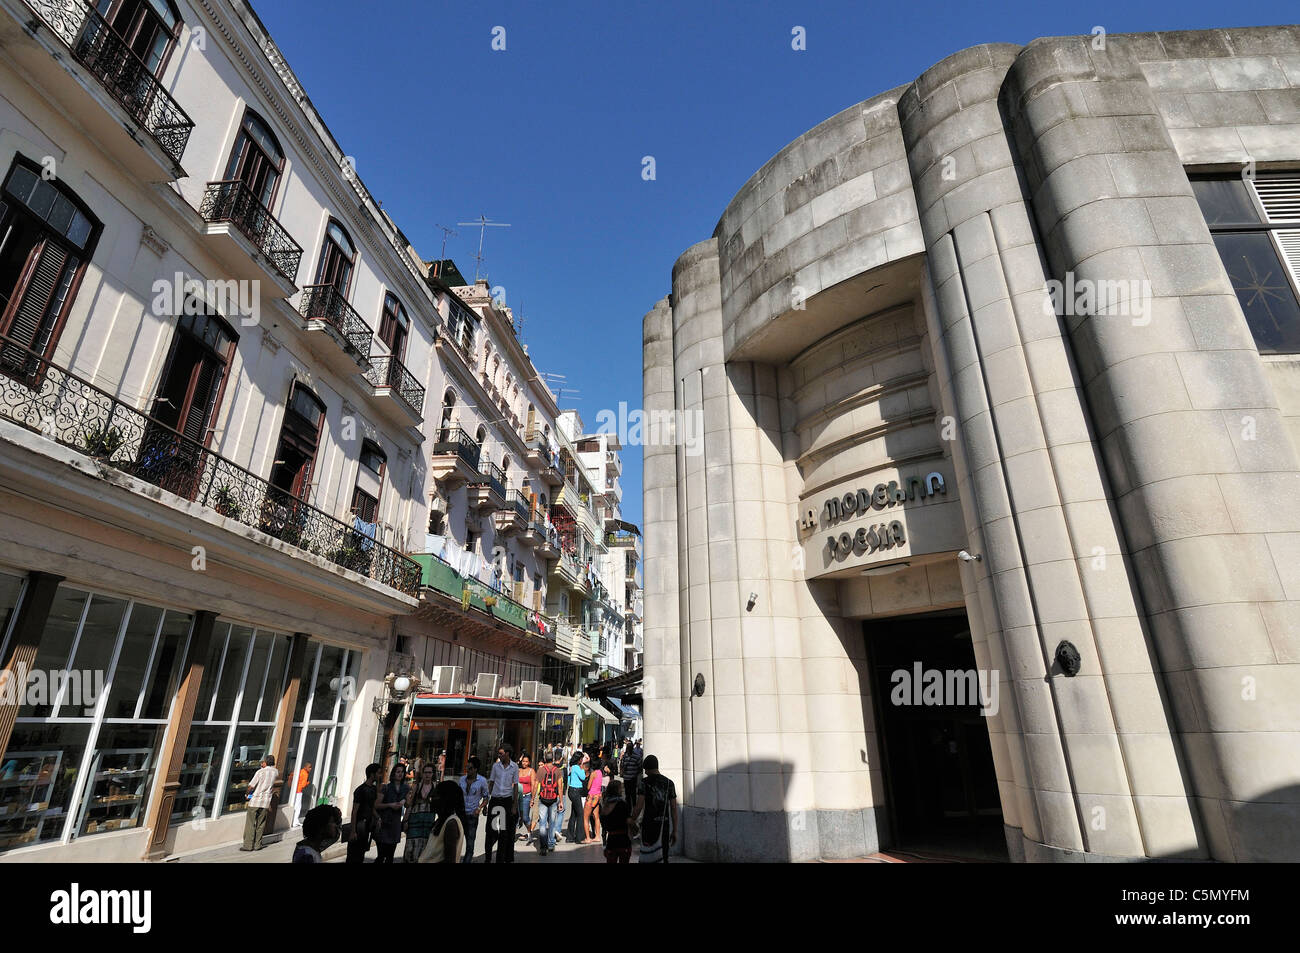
<point x="517" y="502"/>
<point x="236" y="203"/>
<point x="63" y="407"/>
<point x="97" y="47"/>
<point x="453" y="440"/>
<point x="492" y="475"/>
<point x="326" y="303"/>
<point x="388" y="371"/>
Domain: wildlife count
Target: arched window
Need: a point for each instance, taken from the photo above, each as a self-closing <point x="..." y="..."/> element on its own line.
<point x="337" y="259"/>
<point x="257" y="159"/>
<point x="190" y="387"/>
<point x="47" y="235"/>
<point x="148" y="27"/>
<point x="394" y="327"/>
<point x="295" y="455"/>
<point x="370" y="482"/>
<point x="480" y="437"/>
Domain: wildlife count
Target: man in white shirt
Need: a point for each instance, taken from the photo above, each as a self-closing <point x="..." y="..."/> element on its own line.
<point x="475" y="790"/>
<point x="260" y="791"/>
<point x="501" y="808"/>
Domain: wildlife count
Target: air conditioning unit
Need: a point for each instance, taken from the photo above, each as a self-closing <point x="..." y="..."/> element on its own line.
<point x="487" y="685"/>
<point x="544" y="694"/>
<point x="446" y="679"/>
<point x="529" y="691"/>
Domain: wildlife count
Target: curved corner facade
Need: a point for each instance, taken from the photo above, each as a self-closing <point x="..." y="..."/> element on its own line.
<point x="986" y="539"/>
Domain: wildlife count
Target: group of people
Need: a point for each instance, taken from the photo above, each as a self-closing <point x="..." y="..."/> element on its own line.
<point x="615" y="797"/>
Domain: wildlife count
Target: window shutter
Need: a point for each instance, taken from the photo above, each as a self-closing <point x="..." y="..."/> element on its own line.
<point x="1279" y="194"/>
<point x="196" y="418"/>
<point x="37" y="296"/>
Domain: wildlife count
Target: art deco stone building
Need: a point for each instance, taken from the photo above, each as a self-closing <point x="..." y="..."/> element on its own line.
<point x="922" y="452"/>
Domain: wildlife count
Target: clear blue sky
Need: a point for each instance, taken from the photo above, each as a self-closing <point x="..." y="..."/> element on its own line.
<point x="549" y="134"/>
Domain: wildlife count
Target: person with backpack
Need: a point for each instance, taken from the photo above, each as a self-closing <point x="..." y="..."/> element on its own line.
<point x="550" y="804"/>
<point x="655" y="814"/>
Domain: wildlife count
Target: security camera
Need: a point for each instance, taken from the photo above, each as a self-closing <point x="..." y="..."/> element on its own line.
<point x="968" y="558"/>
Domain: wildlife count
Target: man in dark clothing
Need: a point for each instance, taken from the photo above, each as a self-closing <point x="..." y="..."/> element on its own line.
<point x="630" y="769"/>
<point x="656" y="812"/>
<point x="364" y="820"/>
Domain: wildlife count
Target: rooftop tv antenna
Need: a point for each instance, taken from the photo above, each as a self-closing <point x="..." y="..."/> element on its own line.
<point x="446" y="233"/>
<point x="483" y="225"/>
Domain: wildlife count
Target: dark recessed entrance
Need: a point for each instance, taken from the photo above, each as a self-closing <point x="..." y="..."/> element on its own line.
<point x="938" y="767"/>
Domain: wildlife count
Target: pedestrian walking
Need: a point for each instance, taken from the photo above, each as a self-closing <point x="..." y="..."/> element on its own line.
<point x="474" y="790"/>
<point x="392" y="802"/>
<point x="447" y="835"/>
<point x="420" y="804"/>
<point x="576" y="783"/>
<point x="655" y="814"/>
<point x="630" y="771"/>
<point x="364" y="818"/>
<point x="550" y="801"/>
<point x="502" y="811"/>
<point x="615" y="815"/>
<point x="303" y="789"/>
<point x="527" y="783"/>
<point x="260" y="790"/>
<point x="320" y="829"/>
<point x="590" y="807"/>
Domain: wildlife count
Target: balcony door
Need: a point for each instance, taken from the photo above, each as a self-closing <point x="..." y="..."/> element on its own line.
<point x="337" y="259"/>
<point x="46" y="237"/>
<point x="295" y="455"/>
<point x="394" y="327"/>
<point x="257" y="159"/>
<point x="186" y="401"/>
<point x="148" y="27"/>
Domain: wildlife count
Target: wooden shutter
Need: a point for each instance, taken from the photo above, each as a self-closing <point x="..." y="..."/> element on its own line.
<point x="195" y="424"/>
<point x="32" y="300"/>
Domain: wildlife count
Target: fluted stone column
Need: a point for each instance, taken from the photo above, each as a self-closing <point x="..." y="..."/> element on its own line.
<point x="1206" y="481"/>
<point x="1097" y="742"/>
<point x="662" y="685"/>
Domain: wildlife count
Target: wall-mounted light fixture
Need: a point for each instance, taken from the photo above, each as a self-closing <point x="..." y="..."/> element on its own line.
<point x="698" y="689"/>
<point x="753" y="601"/>
<point x="968" y="558"/>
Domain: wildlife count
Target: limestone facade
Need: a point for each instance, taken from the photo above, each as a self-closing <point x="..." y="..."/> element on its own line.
<point x="886" y="345"/>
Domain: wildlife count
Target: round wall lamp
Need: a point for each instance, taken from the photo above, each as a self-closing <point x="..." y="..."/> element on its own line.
<point x="1067" y="656"/>
<point x="401" y="685"/>
<point x="698" y="689"/>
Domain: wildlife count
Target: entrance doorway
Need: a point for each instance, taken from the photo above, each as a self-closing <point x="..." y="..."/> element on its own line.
<point x="938" y="765"/>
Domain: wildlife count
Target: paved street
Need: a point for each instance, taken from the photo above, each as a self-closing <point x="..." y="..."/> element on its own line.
<point x="282" y="851"/>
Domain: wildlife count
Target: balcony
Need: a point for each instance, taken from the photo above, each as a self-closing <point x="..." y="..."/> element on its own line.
<point x="455" y="458"/>
<point x="546" y="540"/>
<point x="125" y="98"/>
<point x="250" y="239"/>
<point x="513" y="518"/>
<point x="571" y="643"/>
<point x="328" y="314"/>
<point x="487" y="490"/>
<point x="620" y="537"/>
<point x="69" y="410"/>
<point x="458" y="334"/>
<point x="439" y="576"/>
<point x="396" y="391"/>
<point x="570" y="571"/>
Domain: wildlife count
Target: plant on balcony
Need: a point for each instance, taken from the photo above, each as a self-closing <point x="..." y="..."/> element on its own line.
<point x="226" y="502"/>
<point x="103" y="441"/>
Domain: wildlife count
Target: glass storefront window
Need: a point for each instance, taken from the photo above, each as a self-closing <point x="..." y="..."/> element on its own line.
<point x="38" y="777"/>
<point x="225" y="749"/>
<point x="120" y="778"/>
<point x="329" y="688"/>
<point x="11" y="589"/>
